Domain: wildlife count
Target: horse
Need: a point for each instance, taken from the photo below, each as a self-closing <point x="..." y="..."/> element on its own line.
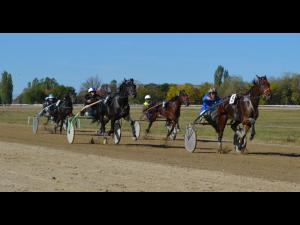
<point x="117" y="107"/>
<point x="244" y="111"/>
<point x="171" y="112"/>
<point x="64" y="109"/>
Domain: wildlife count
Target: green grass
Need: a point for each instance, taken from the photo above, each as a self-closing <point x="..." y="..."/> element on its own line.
<point x="281" y="126"/>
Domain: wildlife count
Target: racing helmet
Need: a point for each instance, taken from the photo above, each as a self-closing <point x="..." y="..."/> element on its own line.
<point x="213" y="90"/>
<point x="147" y="97"/>
<point x="92" y="89"/>
<point x="51" y="96"/>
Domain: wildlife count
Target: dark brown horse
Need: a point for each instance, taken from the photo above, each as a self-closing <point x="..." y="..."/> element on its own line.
<point x="243" y="111"/>
<point x="62" y="112"/>
<point x="171" y="111"/>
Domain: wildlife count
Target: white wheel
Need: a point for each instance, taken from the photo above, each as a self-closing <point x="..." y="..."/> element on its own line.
<point x="35" y="124"/>
<point x="117" y="134"/>
<point x="70" y="133"/>
<point x="137" y="128"/>
<point x="190" y="139"/>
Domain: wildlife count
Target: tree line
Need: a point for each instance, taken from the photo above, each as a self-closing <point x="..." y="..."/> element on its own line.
<point x="285" y="89"/>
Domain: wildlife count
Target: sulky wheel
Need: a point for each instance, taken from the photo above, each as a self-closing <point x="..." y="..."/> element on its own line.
<point x="70" y="132"/>
<point x="35" y="124"/>
<point x="190" y="139"/>
<point x="137" y="128"/>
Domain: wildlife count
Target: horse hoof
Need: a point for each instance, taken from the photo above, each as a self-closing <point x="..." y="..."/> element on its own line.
<point x="92" y="141"/>
<point x="220" y="151"/>
<point x="134" y="138"/>
<point x="105" y="141"/>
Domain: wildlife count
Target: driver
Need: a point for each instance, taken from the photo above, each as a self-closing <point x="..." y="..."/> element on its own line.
<point x="210" y="100"/>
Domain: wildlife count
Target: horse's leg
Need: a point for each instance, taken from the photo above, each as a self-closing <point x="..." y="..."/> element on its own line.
<point x="56" y="124"/>
<point x="247" y="125"/>
<point x="61" y="125"/>
<point x="178" y="127"/>
<point x="102" y="125"/>
<point x="152" y="118"/>
<point x="149" y="127"/>
<point x="112" y="128"/>
<point x="173" y="122"/>
<point x="55" y="128"/>
<point x="252" y="121"/>
<point x="131" y="122"/>
<point x="221" y="127"/>
<point x="45" y="124"/>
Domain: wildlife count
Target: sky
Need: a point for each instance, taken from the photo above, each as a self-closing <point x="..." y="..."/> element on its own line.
<point x="158" y="58"/>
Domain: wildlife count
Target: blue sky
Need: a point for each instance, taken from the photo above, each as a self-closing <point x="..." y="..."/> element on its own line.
<point x="159" y="58"/>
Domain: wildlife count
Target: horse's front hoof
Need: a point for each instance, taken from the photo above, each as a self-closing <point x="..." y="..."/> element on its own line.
<point x="92" y="141"/>
<point x="134" y="138"/>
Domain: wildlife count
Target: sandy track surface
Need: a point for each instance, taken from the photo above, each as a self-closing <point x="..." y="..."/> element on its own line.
<point x="47" y="163"/>
<point x="32" y="168"/>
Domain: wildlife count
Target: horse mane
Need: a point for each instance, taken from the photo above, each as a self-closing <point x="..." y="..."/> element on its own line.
<point x="174" y="98"/>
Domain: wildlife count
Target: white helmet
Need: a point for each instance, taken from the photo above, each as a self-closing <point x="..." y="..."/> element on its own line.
<point x="212" y="90"/>
<point x="92" y="90"/>
<point x="147" y="97"/>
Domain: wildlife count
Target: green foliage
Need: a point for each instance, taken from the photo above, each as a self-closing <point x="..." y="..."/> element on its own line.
<point x="232" y="85"/>
<point x="286" y="90"/>
<point x="218" y="77"/>
<point x="93" y="81"/>
<point x="6" y="88"/>
<point x="37" y="90"/>
<point x="192" y="91"/>
<point x="204" y="88"/>
<point x="113" y="86"/>
<point x="156" y="91"/>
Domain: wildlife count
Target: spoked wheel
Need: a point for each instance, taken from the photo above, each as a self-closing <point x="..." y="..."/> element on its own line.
<point x="35" y="124"/>
<point x="240" y="143"/>
<point x="70" y="132"/>
<point x="137" y="128"/>
<point x="117" y="133"/>
<point x="190" y="139"/>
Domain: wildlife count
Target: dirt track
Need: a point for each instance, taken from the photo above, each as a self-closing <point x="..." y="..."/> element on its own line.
<point x="47" y="163"/>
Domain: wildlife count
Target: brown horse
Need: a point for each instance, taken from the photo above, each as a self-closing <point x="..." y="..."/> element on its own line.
<point x="244" y="111"/>
<point x="171" y="111"/>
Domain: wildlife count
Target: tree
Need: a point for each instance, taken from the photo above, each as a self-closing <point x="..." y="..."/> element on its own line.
<point x="232" y="85"/>
<point x="225" y="75"/>
<point x="93" y="81"/>
<point x="204" y="88"/>
<point x="114" y="86"/>
<point x="60" y="90"/>
<point x="219" y="76"/>
<point x="37" y="90"/>
<point x="6" y="88"/>
<point x="192" y="91"/>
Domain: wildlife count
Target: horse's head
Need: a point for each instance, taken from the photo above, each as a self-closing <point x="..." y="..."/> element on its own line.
<point x="264" y="86"/>
<point x="128" y="88"/>
<point x="184" y="98"/>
